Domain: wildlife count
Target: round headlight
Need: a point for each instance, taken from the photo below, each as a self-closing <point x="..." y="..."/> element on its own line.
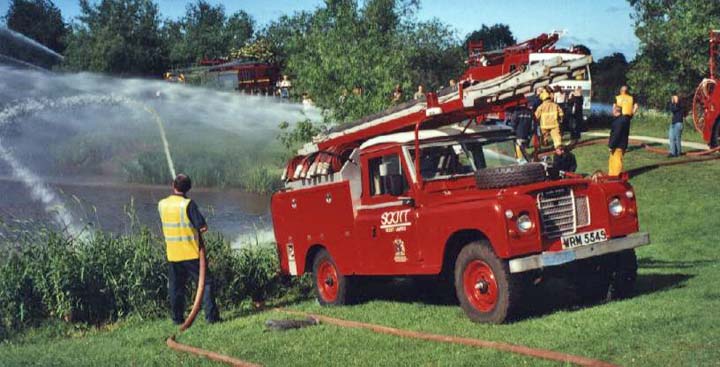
<point x="615" y="207"/>
<point x="524" y="223"/>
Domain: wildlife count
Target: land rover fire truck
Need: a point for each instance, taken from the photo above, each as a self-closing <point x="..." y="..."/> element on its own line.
<point x="430" y="188"/>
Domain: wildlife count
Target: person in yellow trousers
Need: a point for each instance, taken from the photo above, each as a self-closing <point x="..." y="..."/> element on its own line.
<point x="549" y="115"/>
<point x="183" y="226"/>
<point x="624" y="109"/>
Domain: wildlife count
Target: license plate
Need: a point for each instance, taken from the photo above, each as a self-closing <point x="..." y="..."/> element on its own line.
<point x="585" y="238"/>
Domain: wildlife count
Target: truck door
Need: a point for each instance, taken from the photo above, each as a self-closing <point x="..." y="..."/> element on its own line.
<point x="386" y="221"/>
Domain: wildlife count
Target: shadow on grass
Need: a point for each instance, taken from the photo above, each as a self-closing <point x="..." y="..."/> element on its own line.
<point x="650" y="263"/>
<point x="550" y="296"/>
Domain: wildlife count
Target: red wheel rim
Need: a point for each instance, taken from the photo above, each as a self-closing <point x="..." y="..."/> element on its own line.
<point x="327" y="281"/>
<point x="480" y="285"/>
<point x="702" y="101"/>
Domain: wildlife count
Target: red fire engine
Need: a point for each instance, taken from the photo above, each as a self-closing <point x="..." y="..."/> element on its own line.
<point x="250" y="77"/>
<point x="428" y="188"/>
<point x="706" y="103"/>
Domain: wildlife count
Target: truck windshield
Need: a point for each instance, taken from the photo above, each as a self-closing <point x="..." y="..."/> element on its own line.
<point x="464" y="157"/>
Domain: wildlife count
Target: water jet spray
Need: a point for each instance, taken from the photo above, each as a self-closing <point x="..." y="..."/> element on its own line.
<point x="52" y="203"/>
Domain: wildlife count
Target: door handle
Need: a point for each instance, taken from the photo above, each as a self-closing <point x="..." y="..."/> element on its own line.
<point x="373" y="232"/>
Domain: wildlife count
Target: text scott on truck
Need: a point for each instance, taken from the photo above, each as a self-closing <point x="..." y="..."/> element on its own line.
<point x="431" y="188"/>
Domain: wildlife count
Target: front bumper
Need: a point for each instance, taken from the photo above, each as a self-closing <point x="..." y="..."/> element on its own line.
<point x="554" y="258"/>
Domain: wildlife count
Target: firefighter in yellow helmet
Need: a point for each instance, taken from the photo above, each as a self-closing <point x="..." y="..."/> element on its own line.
<point x="624" y="109"/>
<point x="549" y="115"/>
<point x="183" y="226"/>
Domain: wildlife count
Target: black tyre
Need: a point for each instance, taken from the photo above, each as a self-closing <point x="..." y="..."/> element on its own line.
<point x="331" y="287"/>
<point x="623" y="274"/>
<point x="507" y="176"/>
<point x="483" y="284"/>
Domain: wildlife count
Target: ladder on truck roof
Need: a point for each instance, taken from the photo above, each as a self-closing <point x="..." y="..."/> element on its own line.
<point x="478" y="97"/>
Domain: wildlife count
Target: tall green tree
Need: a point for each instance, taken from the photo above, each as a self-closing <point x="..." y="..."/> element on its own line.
<point x="40" y="20"/>
<point x="494" y="37"/>
<point x="117" y="36"/>
<point x="673" y="53"/>
<point x="609" y="74"/>
<point x="435" y="54"/>
<point x="350" y="57"/>
<point x="207" y="32"/>
<point x="287" y="35"/>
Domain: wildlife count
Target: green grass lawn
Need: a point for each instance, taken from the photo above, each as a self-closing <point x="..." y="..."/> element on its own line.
<point x="674" y="320"/>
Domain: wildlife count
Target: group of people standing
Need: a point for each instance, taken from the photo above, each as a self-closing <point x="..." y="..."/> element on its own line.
<point x="551" y="112"/>
<point x="558" y="111"/>
<point x="397" y="96"/>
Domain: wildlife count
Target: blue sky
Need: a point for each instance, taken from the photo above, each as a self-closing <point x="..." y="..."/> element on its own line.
<point x="603" y="25"/>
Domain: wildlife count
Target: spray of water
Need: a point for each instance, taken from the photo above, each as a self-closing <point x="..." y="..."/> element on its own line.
<point x="8" y="33"/>
<point x="40" y="192"/>
<point x="13" y="61"/>
<point x="69" y="102"/>
<point x="38" y="189"/>
<point x="166" y="145"/>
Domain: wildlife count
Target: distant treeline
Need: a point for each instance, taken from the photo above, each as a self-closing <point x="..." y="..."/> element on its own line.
<point x="347" y="45"/>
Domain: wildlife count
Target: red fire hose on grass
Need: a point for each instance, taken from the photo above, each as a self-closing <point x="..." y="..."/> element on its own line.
<point x="174" y="345"/>
<point x="506" y="347"/>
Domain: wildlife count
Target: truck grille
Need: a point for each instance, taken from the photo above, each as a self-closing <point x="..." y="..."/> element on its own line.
<point x="582" y="211"/>
<point x="557" y="211"/>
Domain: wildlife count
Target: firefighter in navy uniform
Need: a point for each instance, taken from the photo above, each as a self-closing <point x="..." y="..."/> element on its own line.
<point x="564" y="160"/>
<point x="183" y="226"/>
<point x="521" y="119"/>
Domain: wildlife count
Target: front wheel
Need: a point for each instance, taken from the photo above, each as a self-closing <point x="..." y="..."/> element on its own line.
<point x="484" y="285"/>
<point x="331" y="287"/>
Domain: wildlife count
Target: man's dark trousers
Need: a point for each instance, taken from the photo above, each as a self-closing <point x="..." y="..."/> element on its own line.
<point x="178" y="273"/>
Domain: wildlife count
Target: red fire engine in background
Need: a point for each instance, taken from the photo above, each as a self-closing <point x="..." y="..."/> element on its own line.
<point x="706" y="102"/>
<point x="428" y="188"/>
<point x="247" y="76"/>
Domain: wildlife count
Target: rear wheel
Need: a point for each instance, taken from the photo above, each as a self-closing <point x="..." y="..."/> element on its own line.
<point x="702" y="102"/>
<point x="484" y="285"/>
<point x="331" y="287"/>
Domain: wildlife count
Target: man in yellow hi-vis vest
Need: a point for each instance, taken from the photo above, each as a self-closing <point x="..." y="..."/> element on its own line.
<point x="183" y="226"/>
<point x="624" y="109"/>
